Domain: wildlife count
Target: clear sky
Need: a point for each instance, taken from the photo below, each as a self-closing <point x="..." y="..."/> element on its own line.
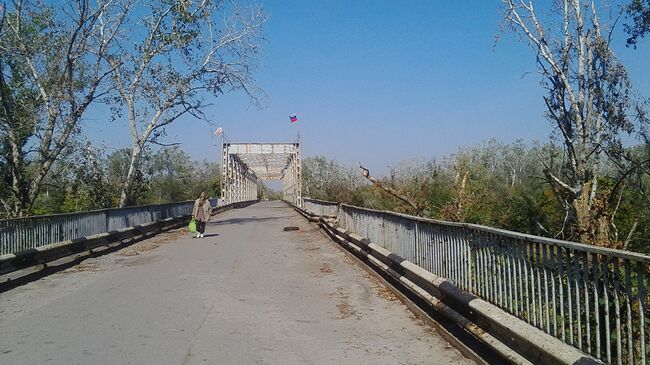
<point x="384" y="81"/>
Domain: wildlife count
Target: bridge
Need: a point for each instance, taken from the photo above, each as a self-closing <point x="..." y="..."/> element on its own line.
<point x="245" y="164"/>
<point x="308" y="281"/>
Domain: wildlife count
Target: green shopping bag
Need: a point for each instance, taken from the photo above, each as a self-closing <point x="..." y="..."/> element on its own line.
<point x="192" y="226"/>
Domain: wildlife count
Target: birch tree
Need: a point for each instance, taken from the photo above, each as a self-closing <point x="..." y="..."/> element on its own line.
<point x="589" y="100"/>
<point x="189" y="51"/>
<point x="52" y="68"/>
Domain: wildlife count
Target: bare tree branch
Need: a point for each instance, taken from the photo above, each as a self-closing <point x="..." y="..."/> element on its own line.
<point x="390" y="190"/>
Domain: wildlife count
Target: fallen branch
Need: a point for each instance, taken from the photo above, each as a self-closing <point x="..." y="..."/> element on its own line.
<point x="390" y="190"/>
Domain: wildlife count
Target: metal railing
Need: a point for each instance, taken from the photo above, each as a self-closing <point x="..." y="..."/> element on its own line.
<point x="321" y="207"/>
<point x="22" y="234"/>
<point x="593" y="298"/>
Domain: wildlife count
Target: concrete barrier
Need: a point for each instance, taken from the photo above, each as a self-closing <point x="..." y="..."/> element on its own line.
<point x="513" y="339"/>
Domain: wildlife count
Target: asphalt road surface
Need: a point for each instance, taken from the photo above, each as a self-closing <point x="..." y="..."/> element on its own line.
<point x="247" y="293"/>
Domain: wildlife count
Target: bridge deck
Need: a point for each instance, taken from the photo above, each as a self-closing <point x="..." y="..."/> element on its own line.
<point x="246" y="293"/>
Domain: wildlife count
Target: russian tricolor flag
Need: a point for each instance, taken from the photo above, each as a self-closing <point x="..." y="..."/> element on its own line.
<point x="293" y="118"/>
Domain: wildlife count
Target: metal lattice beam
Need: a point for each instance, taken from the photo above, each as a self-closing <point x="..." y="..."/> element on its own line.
<point x="244" y="164"/>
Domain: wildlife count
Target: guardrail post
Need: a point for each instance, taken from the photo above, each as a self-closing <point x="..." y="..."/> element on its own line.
<point x="472" y="261"/>
<point x="417" y="243"/>
<point x="338" y="211"/>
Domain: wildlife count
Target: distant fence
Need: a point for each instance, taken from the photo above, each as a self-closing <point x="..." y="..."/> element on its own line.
<point x="21" y="234"/>
<point x="593" y="298"/>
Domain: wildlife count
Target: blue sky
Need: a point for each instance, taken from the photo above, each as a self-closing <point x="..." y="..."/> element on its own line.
<point x="384" y="81"/>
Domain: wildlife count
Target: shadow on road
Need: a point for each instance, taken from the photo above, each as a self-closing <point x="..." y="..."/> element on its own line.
<point x="245" y="220"/>
<point x="69" y="261"/>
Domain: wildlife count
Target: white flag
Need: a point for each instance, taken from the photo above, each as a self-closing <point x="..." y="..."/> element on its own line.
<point x="218" y="131"/>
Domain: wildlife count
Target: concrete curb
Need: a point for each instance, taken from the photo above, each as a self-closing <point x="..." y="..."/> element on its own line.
<point x="512" y="338"/>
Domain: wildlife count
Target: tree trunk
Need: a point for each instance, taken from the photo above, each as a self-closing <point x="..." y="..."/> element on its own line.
<point x="126" y="196"/>
<point x="594" y="223"/>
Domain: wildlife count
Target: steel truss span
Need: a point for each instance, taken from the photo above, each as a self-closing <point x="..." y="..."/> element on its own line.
<point x="246" y="164"/>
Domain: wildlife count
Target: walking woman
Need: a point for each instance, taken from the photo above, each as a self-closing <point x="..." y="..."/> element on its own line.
<point x="201" y="213"/>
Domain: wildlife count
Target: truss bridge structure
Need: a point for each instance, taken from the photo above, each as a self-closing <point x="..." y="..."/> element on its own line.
<point x="245" y="165"/>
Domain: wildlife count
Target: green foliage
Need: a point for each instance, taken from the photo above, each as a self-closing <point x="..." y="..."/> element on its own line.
<point x="328" y="180"/>
<point x="94" y="182"/>
<point x="639" y="12"/>
<point x="52" y="67"/>
<point x="265" y="193"/>
<point x="504" y="188"/>
<point x="174" y="176"/>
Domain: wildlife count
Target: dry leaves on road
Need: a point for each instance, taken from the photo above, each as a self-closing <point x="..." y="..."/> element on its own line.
<point x="153" y="243"/>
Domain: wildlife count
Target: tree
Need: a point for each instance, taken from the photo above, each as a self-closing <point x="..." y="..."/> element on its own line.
<point x="170" y="176"/>
<point x="173" y="176"/>
<point x="639" y="12"/>
<point x="52" y="67"/>
<point x="411" y="205"/>
<point x="90" y="173"/>
<point x="188" y="50"/>
<point x="328" y="180"/>
<point x="589" y="101"/>
<point x="207" y="178"/>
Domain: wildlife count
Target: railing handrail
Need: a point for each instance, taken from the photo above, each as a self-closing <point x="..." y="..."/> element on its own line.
<point x="103" y="210"/>
<point x="327" y="202"/>
<point x="152" y="205"/>
<point x="623" y="254"/>
<point x="19" y="234"/>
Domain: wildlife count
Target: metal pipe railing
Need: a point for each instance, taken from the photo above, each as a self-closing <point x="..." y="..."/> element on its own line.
<point x="591" y="297"/>
<point x="20" y="234"/>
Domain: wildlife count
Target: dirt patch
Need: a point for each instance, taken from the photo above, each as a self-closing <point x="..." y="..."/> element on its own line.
<point x="346" y="310"/>
<point x="387" y="294"/>
<point x="309" y="234"/>
<point x="326" y="269"/>
<point x="382" y="290"/>
<point x="348" y="260"/>
<point x="373" y="280"/>
<point x="84" y="267"/>
<point x="153" y="243"/>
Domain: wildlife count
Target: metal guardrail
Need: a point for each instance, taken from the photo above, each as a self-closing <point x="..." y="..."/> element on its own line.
<point x="321" y="207"/>
<point x="21" y="234"/>
<point x="592" y="298"/>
